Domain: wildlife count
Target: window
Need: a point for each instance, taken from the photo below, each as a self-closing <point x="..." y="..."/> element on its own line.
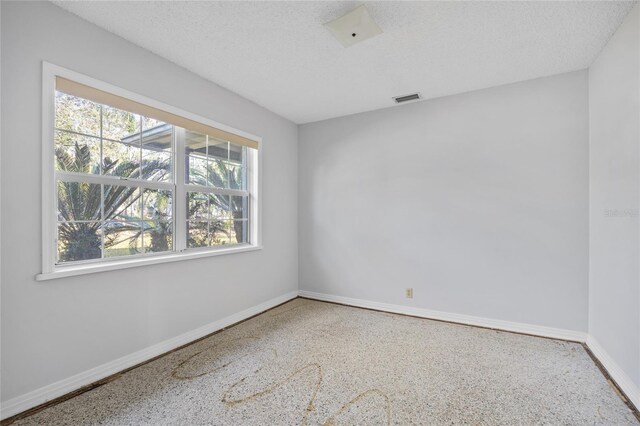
<point x="135" y="179"/>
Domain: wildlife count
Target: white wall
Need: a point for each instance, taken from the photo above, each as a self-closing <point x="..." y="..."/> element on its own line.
<point x="614" y="280"/>
<point x="54" y="329"/>
<point x="478" y="201"/>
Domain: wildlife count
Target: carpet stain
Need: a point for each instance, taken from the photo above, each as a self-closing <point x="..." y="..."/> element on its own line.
<point x="315" y="368"/>
<point x="181" y="365"/>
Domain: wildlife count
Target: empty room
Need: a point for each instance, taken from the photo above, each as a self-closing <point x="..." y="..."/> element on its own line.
<point x="319" y="213"/>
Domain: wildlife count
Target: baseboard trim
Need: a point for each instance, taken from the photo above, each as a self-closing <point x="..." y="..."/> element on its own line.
<point x="58" y="389"/>
<point x="515" y="327"/>
<point x="622" y="380"/>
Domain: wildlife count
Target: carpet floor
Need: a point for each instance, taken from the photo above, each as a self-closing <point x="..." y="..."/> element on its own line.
<point x="316" y="363"/>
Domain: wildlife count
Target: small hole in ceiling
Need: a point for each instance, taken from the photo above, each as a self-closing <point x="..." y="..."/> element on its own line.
<point x="353" y="35"/>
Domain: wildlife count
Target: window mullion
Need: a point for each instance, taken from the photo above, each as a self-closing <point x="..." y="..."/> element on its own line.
<point x="102" y="227"/>
<point x="214" y="190"/>
<point x="180" y="204"/>
<point x="112" y="180"/>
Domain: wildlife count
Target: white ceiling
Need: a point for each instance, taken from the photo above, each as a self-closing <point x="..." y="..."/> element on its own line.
<point x="279" y="55"/>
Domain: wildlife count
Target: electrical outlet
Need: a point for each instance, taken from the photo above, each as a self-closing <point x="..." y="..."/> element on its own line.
<point x="408" y="293"/>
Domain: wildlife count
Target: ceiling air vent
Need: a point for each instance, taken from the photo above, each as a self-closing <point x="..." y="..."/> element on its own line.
<point x="407" y="98"/>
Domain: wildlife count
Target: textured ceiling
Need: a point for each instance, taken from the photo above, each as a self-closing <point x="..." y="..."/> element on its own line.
<point x="279" y="55"/>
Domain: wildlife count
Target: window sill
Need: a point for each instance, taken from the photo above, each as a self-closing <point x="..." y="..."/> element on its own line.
<point x="70" y="271"/>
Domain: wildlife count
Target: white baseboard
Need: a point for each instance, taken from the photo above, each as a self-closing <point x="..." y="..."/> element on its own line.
<point x="536" y="330"/>
<point x="617" y="374"/>
<point x="39" y="396"/>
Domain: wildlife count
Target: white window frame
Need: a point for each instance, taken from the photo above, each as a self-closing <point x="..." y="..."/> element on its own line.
<point x="49" y="217"/>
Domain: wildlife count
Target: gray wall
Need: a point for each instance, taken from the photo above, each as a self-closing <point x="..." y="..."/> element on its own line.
<point x="52" y="330"/>
<point x="614" y="280"/>
<point x="478" y="201"/>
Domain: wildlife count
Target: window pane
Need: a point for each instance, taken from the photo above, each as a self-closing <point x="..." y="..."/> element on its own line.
<point x="217" y="174"/>
<point x="196" y="154"/>
<point x="239" y="232"/>
<point x="219" y="207"/>
<point x="119" y="125"/>
<point x="158" y="236"/>
<point x="239" y="207"/>
<point x="78" y="154"/>
<point x="157" y="204"/>
<point x="195" y="142"/>
<point x="122" y="203"/>
<point x="121" y="159"/>
<point x="78" y="201"/>
<point x="197" y="234"/>
<point x="197" y="170"/>
<point x="236" y="176"/>
<point x="217" y="149"/>
<point x="79" y="241"/>
<point x="197" y="205"/>
<point x="221" y="232"/>
<point x="237" y="153"/>
<point x="77" y="114"/>
<point x="156" y="165"/>
<point x="122" y="238"/>
<point x="157" y="140"/>
<point x="158" y="226"/>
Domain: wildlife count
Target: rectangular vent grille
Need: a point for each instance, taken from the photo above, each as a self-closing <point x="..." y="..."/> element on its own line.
<point x="407" y="98"/>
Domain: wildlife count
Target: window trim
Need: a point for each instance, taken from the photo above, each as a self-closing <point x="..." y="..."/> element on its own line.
<point x="49" y="218"/>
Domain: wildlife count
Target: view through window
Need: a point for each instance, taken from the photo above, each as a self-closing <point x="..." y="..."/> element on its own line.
<point x="117" y="184"/>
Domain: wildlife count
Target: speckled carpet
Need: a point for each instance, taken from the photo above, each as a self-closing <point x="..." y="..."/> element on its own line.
<point x="315" y="363"/>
